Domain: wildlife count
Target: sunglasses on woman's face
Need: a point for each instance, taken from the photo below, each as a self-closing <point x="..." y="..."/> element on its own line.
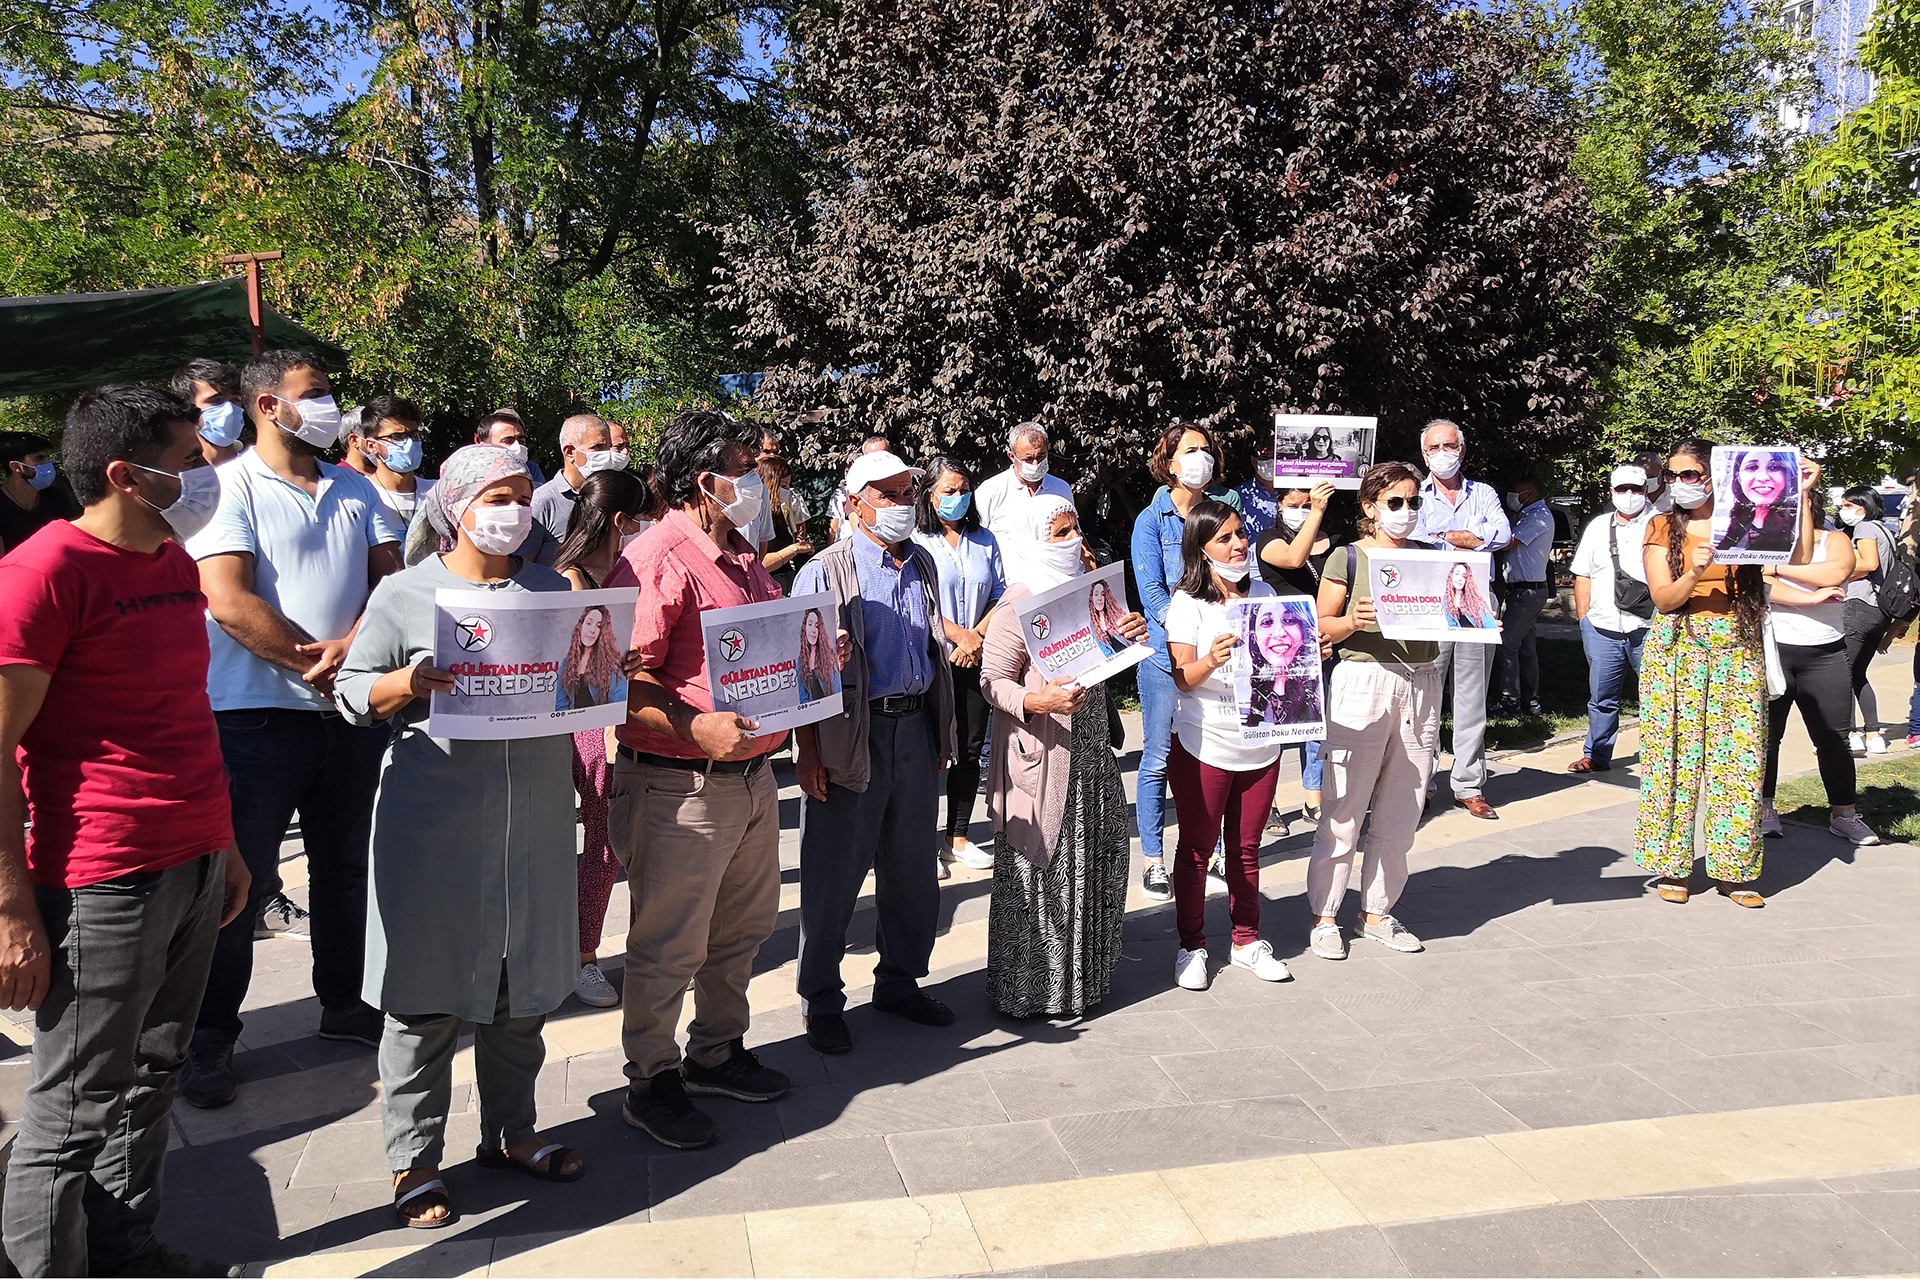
<point x="1689" y="476"/>
<point x="1397" y="502"/>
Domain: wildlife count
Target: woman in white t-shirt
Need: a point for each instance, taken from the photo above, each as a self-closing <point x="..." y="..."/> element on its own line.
<point x="1222" y="786"/>
<point x="1807" y="613"/>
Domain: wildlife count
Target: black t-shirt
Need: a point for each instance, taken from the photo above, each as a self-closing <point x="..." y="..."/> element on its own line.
<point x="17" y="524"/>
<point x="1304" y="581"/>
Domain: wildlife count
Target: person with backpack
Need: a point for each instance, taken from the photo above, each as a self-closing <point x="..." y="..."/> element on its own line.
<point x="1879" y="595"/>
<point x="1611" y="602"/>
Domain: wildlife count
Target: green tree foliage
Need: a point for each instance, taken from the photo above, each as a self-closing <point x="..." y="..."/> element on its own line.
<point x="1835" y="336"/>
<point x="1109" y="216"/>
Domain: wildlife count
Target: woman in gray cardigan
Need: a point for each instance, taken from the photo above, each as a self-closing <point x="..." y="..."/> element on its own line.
<point x="1054" y="794"/>
<point x="471" y="902"/>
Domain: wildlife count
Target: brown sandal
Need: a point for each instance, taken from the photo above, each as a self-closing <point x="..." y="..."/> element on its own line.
<point x="1585" y="764"/>
<point x="1673" y="890"/>
<point x="1742" y="897"/>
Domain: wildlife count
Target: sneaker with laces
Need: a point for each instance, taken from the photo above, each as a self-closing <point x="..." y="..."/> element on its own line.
<point x="1259" y="957"/>
<point x="206" y="1078"/>
<point x="282" y="917"/>
<point x="659" y="1108"/>
<point x="1154" y="882"/>
<point x="1770" y="821"/>
<point x="1876" y="744"/>
<point x="1849" y="826"/>
<point x="1328" y="942"/>
<point x="593" y="989"/>
<point x="1857" y="744"/>
<point x="1390" y="933"/>
<point x="741" y="1076"/>
<point x="1190" y="969"/>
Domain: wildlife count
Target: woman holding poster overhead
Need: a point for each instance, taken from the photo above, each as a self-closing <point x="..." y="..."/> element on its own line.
<point x="1383" y="723"/>
<point x="1222" y="784"/>
<point x="1060" y="888"/>
<point x="470" y="902"/>
<point x="1702" y="691"/>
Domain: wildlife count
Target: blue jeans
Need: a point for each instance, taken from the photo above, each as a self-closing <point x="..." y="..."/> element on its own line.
<point x="1157" y="696"/>
<point x="1609" y="654"/>
<point x="1309" y="765"/>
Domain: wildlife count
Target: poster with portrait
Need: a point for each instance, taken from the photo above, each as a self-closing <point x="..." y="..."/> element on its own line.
<point x="1756" y="503"/>
<point x="1276" y="669"/>
<point x="526" y="664"/>
<point x="1073" y="630"/>
<point x="1434" y="595"/>
<point x="777" y="663"/>
<point x="1311" y="448"/>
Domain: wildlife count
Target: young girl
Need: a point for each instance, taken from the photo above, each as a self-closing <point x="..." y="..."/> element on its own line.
<point x="613" y="506"/>
<point x="1383" y="721"/>
<point x="469" y="904"/>
<point x="1222" y="786"/>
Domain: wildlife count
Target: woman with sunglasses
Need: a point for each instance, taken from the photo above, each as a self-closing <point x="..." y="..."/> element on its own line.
<point x="1703" y="690"/>
<point x="1383" y="723"/>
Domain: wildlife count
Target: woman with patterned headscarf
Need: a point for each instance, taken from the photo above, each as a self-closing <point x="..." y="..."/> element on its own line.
<point x="470" y="903"/>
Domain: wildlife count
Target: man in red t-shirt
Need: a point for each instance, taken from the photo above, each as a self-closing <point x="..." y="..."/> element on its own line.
<point x="110" y="905"/>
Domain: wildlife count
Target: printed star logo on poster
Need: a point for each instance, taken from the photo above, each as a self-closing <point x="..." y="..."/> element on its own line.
<point x="473" y="632"/>
<point x="1040" y="626"/>
<point x="1389" y="575"/>
<point x="732" y="644"/>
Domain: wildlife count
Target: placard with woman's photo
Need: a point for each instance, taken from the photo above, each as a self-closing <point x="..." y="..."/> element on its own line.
<point x="530" y="664"/>
<point x="1313" y="448"/>
<point x="775" y="663"/>
<point x="1756" y="503"/>
<point x="1276" y="669"/>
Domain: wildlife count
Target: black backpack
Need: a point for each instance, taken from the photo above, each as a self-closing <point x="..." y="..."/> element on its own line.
<point x="1899" y="589"/>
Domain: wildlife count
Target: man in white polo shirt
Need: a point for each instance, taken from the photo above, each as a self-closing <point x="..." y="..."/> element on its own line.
<point x="1610" y="599"/>
<point x="1003" y="499"/>
<point x="287" y="564"/>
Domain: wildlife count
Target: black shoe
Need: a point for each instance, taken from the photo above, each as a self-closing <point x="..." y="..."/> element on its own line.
<point x="282" y="917"/>
<point x="660" y="1108"/>
<point x="740" y="1076"/>
<point x="1154" y="882"/>
<point x="1505" y="709"/>
<point x="828" y="1033"/>
<point x="918" y="1007"/>
<point x="162" y="1261"/>
<point x="206" y="1080"/>
<point x="359" y="1024"/>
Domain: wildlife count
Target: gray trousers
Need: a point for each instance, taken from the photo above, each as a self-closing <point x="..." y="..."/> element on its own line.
<point x="1467" y="665"/>
<point x="1519" y="675"/>
<point x="130" y="960"/>
<point x="416" y="1080"/>
<point x="889" y="829"/>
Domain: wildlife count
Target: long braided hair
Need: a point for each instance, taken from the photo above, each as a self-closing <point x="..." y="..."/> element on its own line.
<point x="1745" y="584"/>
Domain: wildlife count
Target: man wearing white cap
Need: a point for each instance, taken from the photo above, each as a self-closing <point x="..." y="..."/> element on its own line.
<point x="1610" y="598"/>
<point x="872" y="774"/>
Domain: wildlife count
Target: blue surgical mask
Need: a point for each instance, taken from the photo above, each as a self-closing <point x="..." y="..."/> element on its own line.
<point x="220" y="424"/>
<point x="402" y="455"/>
<point x="954" y="505"/>
<point x="42" y="476"/>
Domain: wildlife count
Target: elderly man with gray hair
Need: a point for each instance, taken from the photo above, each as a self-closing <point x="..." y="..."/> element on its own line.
<point x="1005" y="498"/>
<point x="588" y="443"/>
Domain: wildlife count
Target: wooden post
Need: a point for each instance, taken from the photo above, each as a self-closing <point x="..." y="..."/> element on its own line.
<point x="252" y="262"/>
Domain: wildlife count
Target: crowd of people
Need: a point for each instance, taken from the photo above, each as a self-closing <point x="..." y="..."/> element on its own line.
<point x="221" y="635"/>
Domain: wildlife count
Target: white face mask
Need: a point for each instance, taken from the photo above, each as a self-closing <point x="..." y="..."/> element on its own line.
<point x="749" y="496"/>
<point x="892" y="524"/>
<point x="499" y="531"/>
<point x="1196" y="469"/>
<point x="517" y="451"/>
<point x="1688" y="496"/>
<point x="1034" y="472"/>
<point x="1397" y="524"/>
<point x="1629" y="504"/>
<point x="1444" y="463"/>
<point x="627" y="538"/>
<point x="601" y="460"/>
<point x="1061" y="560"/>
<point x="1231" y="570"/>
<point x="319" y="421"/>
<point x="199" y="497"/>
<point x="1851" y="516"/>
<point x="1294" y="518"/>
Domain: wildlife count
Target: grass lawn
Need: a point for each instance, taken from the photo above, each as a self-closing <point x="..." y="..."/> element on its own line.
<point x="1889" y="797"/>
<point x="1563" y="699"/>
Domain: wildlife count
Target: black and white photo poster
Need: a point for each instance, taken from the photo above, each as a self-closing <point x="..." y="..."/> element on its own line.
<point x="1311" y="449"/>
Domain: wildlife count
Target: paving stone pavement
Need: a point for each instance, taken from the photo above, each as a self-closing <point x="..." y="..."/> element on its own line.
<point x="1554" y="992"/>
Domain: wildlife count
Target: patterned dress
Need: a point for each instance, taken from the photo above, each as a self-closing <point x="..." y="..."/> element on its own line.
<point x="1053" y="936"/>
<point x="1703" y="742"/>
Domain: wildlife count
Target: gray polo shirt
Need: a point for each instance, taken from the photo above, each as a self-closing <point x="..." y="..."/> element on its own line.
<point x="553" y="506"/>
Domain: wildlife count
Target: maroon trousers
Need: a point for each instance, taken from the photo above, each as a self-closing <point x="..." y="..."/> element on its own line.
<point x="1214" y="804"/>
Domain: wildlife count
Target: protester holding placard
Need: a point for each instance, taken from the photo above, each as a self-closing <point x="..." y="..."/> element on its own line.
<point x="1383" y="726"/>
<point x="470" y="904"/>
<point x="1183" y="462"/>
<point x="870" y="775"/>
<point x="610" y="507"/>
<point x="1702" y="690"/>
<point x="1222" y="784"/>
<point x="1291" y="556"/>
<point x="1060" y="888"/>
<point x="972" y="581"/>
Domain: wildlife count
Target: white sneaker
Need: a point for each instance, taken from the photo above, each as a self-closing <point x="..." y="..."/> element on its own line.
<point x="1328" y="942"/>
<point x="1390" y="933"/>
<point x="593" y="988"/>
<point x="1849" y="826"/>
<point x="968" y="854"/>
<point x="1876" y="744"/>
<point x="1856" y="744"/>
<point x="1259" y="957"/>
<point x="1190" y="969"/>
<point x="1769" y="820"/>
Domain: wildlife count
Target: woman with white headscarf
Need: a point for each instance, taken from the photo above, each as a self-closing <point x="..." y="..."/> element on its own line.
<point x="471" y="903"/>
<point x="1054" y="794"/>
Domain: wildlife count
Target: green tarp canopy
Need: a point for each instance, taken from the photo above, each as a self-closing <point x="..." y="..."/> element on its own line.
<point x="67" y="343"/>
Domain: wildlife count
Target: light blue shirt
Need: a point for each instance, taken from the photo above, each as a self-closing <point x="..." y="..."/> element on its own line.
<point x="1479" y="512"/>
<point x="1526" y="556"/>
<point x="893" y="614"/>
<point x="971" y="574"/>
